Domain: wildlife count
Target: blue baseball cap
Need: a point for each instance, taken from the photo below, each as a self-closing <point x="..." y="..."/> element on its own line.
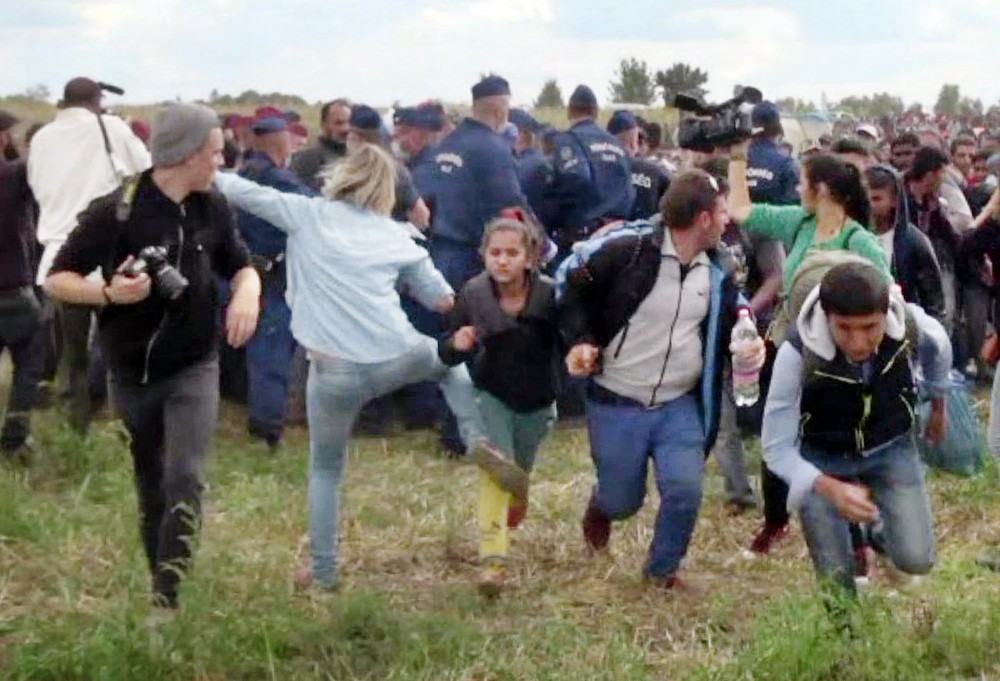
<point x="621" y="121"/>
<point x="365" y="118"/>
<point x="764" y="115"/>
<point x="265" y="126"/>
<point x="425" y="117"/>
<point x="524" y="121"/>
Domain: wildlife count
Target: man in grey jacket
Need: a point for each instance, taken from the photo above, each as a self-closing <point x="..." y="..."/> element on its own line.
<point x="852" y="347"/>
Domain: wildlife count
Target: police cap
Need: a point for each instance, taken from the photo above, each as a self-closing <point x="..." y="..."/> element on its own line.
<point x="583" y="98"/>
<point x="490" y="86"/>
<point x="365" y="118"/>
<point x="524" y="121"/>
<point x="621" y="121"/>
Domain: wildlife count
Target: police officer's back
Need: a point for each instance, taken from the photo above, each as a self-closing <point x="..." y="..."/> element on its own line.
<point x="649" y="178"/>
<point x="472" y="179"/>
<point x="772" y="175"/>
<point x="534" y="169"/>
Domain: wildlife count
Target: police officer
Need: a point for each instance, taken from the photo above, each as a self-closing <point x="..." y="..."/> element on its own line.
<point x="592" y="184"/>
<point x="415" y="129"/>
<point x="649" y="178"/>
<point x="772" y="176"/>
<point x="271" y="349"/>
<point x="472" y="179"/>
<point x="367" y="128"/>
<point x="533" y="169"/>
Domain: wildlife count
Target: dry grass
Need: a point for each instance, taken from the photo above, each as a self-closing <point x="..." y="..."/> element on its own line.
<point x="72" y="577"/>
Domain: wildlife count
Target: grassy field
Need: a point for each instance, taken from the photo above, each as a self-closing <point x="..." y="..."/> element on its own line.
<point x="73" y="584"/>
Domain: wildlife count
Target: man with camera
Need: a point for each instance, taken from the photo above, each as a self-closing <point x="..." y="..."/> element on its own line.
<point x="81" y="155"/>
<point x="772" y="176"/>
<point x="159" y="241"/>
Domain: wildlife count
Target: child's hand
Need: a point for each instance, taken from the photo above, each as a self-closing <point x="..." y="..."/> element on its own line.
<point x="464" y="339"/>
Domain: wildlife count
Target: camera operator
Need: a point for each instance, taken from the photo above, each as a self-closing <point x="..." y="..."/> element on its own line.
<point x="772" y="176"/>
<point x="159" y="325"/>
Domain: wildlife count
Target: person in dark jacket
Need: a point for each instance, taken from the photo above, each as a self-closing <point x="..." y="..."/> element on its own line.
<point x="159" y="334"/>
<point x="270" y="351"/>
<point x="20" y="308"/>
<point x="308" y="164"/>
<point x="593" y="176"/>
<point x="649" y="317"/>
<point x="772" y="176"/>
<point x="649" y="178"/>
<point x="504" y="326"/>
<point x="911" y="256"/>
<point x="856" y="463"/>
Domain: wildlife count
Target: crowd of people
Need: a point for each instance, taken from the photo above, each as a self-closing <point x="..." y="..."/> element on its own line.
<point x="480" y="275"/>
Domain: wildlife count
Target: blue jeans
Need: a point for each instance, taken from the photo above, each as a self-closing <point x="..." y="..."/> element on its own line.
<point x="623" y="438"/>
<point x="269" y="364"/>
<point x="895" y="475"/>
<point x="335" y="392"/>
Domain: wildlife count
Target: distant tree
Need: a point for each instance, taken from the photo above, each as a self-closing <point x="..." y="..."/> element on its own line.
<point x="213" y="95"/>
<point x="550" y="97"/>
<point x="633" y="83"/>
<point x="872" y="106"/>
<point x="794" y="106"/>
<point x="948" y="101"/>
<point x="915" y="109"/>
<point x="681" y="78"/>
<point x="970" y="107"/>
<point x="38" y="93"/>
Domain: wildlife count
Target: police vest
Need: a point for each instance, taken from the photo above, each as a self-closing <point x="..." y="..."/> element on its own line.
<point x="843" y="413"/>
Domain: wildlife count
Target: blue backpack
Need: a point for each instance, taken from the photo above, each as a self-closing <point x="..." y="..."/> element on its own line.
<point x="583" y="250"/>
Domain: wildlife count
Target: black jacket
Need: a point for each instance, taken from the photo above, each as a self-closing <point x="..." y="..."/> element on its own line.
<point x="154" y="339"/>
<point x="868" y="413"/>
<point x="517" y="358"/>
<point x="603" y="294"/>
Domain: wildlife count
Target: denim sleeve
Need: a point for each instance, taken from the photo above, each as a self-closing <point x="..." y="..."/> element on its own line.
<point x="424" y="282"/>
<point x="780" y="436"/>
<point x="287" y="212"/>
<point x="933" y="351"/>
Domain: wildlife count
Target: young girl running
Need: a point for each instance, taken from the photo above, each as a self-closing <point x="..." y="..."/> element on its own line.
<point x="504" y="325"/>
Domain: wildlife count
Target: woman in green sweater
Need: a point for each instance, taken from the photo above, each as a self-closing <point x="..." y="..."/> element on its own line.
<point x="833" y="214"/>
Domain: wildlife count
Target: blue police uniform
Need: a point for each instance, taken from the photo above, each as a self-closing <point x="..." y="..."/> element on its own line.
<point x="650" y="181"/>
<point x="772" y="176"/>
<point x="592" y="183"/>
<point x="535" y="173"/>
<point x="472" y="178"/>
<point x="270" y="350"/>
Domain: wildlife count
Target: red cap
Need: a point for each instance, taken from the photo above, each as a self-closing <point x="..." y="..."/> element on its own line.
<point x="298" y="129"/>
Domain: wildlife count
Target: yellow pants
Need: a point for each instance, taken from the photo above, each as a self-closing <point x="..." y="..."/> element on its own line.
<point x="494" y="536"/>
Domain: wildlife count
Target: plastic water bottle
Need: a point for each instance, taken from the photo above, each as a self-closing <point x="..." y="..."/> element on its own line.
<point x="746" y="380"/>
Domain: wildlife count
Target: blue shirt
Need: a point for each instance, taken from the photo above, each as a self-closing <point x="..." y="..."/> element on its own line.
<point x="344" y="264"/>
<point x="261" y="236"/>
<point x="772" y="176"/>
<point x="592" y="182"/>
<point x="472" y="178"/>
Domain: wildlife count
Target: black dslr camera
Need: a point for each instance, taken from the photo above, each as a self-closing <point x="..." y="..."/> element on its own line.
<point x="715" y="125"/>
<point x="167" y="281"/>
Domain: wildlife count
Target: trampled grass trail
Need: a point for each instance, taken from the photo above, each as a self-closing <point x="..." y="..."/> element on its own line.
<point x="74" y="592"/>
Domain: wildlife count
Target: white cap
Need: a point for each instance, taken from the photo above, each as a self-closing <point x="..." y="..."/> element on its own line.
<point x="868" y="129"/>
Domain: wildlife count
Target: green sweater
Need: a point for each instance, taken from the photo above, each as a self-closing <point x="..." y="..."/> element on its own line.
<point x="796" y="229"/>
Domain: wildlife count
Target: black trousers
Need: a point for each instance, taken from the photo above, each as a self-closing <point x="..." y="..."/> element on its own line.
<point x="171" y="423"/>
<point x="76" y="323"/>
<point x="20" y="334"/>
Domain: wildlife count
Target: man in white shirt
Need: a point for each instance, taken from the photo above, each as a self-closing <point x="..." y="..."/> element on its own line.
<point x="76" y="158"/>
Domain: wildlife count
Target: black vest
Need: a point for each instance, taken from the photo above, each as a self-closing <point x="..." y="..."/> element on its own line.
<point x="841" y="413"/>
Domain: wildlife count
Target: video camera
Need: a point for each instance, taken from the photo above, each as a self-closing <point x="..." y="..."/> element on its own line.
<point x="716" y="125"/>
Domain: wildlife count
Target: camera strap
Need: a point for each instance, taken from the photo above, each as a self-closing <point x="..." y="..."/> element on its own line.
<point x="107" y="148"/>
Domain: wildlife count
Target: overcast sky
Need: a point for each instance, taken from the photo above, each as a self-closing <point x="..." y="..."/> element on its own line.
<point x="378" y="51"/>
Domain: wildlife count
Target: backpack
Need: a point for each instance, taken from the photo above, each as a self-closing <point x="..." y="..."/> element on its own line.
<point x="583" y="250"/>
<point x="810" y="273"/>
